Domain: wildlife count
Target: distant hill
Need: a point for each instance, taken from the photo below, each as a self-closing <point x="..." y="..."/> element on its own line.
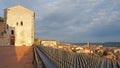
<point x="111" y="44"/>
<point x="104" y="44"/>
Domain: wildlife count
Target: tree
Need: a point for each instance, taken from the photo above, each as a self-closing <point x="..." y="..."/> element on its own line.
<point x="36" y="41"/>
<point x="1" y="19"/>
<point x="102" y="53"/>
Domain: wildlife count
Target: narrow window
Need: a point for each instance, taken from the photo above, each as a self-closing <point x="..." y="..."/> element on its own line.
<point x="2" y="33"/>
<point x="12" y="32"/>
<point x="17" y="23"/>
<point x="21" y="23"/>
<point x="7" y="26"/>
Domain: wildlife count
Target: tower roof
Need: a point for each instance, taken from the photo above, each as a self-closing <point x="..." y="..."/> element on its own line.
<point x="20" y="7"/>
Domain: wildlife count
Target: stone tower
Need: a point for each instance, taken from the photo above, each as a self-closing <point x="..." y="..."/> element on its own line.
<point x="19" y="26"/>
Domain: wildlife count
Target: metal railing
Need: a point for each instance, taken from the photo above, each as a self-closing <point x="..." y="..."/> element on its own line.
<point x="66" y="59"/>
<point x="46" y="61"/>
<point x="38" y="63"/>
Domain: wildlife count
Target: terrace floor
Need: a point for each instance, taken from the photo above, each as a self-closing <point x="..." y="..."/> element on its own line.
<point x="16" y="57"/>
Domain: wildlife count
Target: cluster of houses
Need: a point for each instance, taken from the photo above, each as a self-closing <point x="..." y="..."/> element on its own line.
<point x="112" y="53"/>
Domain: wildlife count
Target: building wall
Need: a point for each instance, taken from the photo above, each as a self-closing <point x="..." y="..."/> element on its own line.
<point x="2" y="26"/>
<point x="2" y="29"/>
<point x="19" y="26"/>
<point x="48" y="43"/>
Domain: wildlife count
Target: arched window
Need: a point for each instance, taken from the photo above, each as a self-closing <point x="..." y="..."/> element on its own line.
<point x="12" y="32"/>
<point x="21" y="23"/>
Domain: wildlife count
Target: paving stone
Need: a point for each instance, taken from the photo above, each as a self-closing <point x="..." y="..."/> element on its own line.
<point x="16" y="57"/>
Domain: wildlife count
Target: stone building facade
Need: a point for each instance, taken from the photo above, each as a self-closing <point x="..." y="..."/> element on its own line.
<point x="2" y="29"/>
<point x="19" y="26"/>
<point x="48" y="43"/>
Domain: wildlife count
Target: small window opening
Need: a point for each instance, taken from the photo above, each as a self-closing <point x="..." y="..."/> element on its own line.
<point x="17" y="23"/>
<point x="7" y="26"/>
<point x="21" y="23"/>
<point x="2" y="33"/>
<point x="12" y="32"/>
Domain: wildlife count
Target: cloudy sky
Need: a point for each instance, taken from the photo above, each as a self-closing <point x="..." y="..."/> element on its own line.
<point x="73" y="20"/>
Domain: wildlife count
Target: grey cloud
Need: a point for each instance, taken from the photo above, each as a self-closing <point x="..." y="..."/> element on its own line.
<point x="80" y="20"/>
<point x="75" y="20"/>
